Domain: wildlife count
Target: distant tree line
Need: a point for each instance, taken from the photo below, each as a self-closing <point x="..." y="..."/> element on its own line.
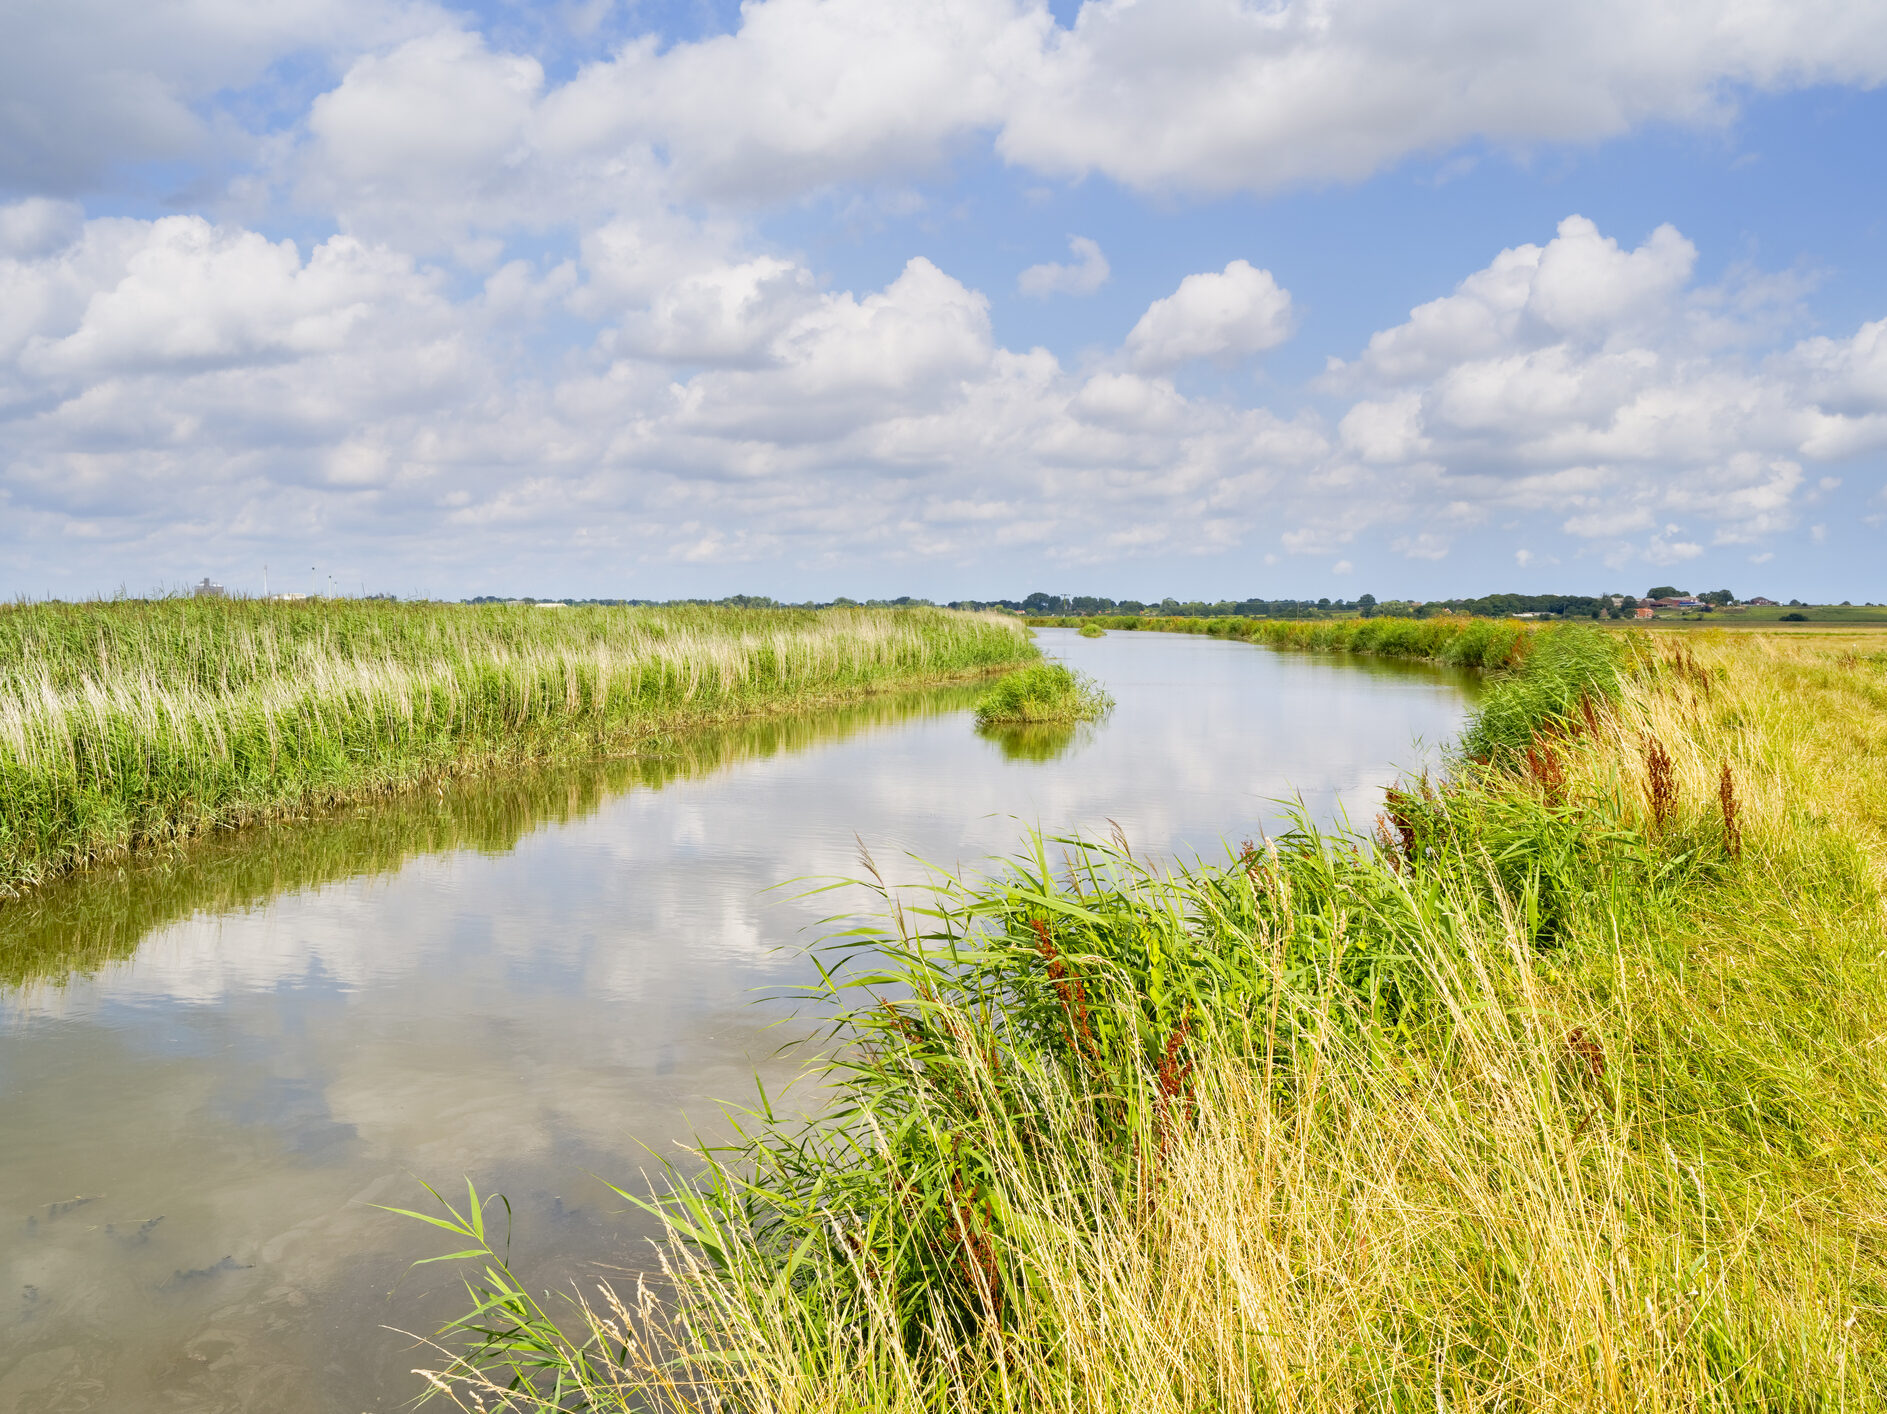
<point x="1568" y="606"/>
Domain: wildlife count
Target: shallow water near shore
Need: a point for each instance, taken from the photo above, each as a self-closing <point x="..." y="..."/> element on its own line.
<point x="214" y="1062"/>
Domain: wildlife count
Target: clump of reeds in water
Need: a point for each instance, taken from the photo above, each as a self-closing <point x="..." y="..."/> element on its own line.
<point x="1092" y="631"/>
<point x="1045" y="692"/>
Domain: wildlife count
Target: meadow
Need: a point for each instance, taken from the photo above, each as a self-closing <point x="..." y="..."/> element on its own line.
<point x="130" y="723"/>
<point x="1564" y="1089"/>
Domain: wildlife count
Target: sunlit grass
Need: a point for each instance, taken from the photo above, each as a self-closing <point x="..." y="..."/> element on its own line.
<point x="1458" y="641"/>
<point x="132" y="722"/>
<point x="1043" y="692"/>
<point x="1569" y="1092"/>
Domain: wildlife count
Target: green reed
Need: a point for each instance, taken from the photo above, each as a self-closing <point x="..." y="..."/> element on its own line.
<point x="1539" y="1101"/>
<point x="1043" y="692"/>
<point x="127" y="723"/>
<point x="1454" y="640"/>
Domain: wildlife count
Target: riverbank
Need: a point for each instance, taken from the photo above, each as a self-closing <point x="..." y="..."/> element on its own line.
<point x="131" y="723"/>
<point x="1567" y="1091"/>
<point x="1457" y="641"/>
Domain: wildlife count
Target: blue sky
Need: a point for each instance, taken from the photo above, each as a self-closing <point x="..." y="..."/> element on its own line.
<point x="660" y="299"/>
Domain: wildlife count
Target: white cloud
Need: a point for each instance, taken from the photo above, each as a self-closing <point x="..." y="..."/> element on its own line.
<point x="1202" y="95"/>
<point x="1597" y="381"/>
<point x="1084" y="277"/>
<point x="1238" y="311"/>
<point x="91" y="85"/>
<point x="1386" y="431"/>
<point x="430" y="135"/>
<point x="1426" y="546"/>
<point x="175" y="383"/>
<point x="1216" y="94"/>
<point x="1205" y="95"/>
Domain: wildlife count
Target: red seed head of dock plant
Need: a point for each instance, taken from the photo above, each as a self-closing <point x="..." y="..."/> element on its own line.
<point x="1388" y="842"/>
<point x="1660" y="780"/>
<point x="1732" y="813"/>
<point x="1074" y="997"/>
<point x="1545" y="766"/>
<point x="1399" y="808"/>
<point x="1587" y="1051"/>
<point x="1175" y="1074"/>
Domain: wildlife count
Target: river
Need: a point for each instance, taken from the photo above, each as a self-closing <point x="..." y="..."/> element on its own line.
<point x="214" y="1062"/>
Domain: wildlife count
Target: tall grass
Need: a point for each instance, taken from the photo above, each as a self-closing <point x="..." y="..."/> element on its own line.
<point x="1457" y="641"/>
<point x="131" y="722"/>
<point x="1043" y="692"/>
<point x="83" y="922"/>
<point x="1568" y="1093"/>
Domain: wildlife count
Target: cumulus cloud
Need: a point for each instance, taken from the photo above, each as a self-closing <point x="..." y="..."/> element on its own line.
<point x="188" y="382"/>
<point x="92" y="85"/>
<point x="1086" y="275"/>
<point x="1196" y="95"/>
<point x="1216" y="94"/>
<point x="1598" y="381"/>
<point x="1239" y="310"/>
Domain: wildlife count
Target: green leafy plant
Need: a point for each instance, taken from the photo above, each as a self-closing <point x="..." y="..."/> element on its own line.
<point x="1044" y="692"/>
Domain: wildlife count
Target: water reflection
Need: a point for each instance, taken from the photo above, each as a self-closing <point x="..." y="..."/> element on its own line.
<point x="85" y="921"/>
<point x="218" y="1060"/>
<point x="1035" y="741"/>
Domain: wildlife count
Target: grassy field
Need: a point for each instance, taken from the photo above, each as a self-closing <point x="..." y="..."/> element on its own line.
<point x="1567" y="1090"/>
<point x="128" y="723"/>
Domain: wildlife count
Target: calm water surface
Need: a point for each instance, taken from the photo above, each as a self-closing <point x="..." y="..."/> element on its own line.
<point x="212" y="1064"/>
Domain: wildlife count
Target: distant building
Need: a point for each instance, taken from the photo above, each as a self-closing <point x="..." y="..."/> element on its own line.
<point x="1760" y="602"/>
<point x="208" y="590"/>
<point x="1643" y="611"/>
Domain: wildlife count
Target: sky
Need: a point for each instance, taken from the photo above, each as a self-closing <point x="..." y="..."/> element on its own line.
<point x="950" y="298"/>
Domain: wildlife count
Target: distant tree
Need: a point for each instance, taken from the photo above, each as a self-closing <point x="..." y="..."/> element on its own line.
<point x="1366" y="604"/>
<point x="1664" y="591"/>
<point x="1323" y="603"/>
<point x="1718" y="597"/>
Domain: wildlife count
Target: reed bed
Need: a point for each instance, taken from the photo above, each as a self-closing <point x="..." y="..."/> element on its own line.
<point x="1456" y="640"/>
<point x="1043" y="693"/>
<point x="1566" y="1091"/>
<point x="86" y="921"/>
<point x="128" y="723"/>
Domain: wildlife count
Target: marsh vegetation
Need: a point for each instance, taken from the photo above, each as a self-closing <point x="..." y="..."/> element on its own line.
<point x="1041" y="694"/>
<point x="1453" y="640"/>
<point x="1562" y="1091"/>
<point x="130" y="723"/>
